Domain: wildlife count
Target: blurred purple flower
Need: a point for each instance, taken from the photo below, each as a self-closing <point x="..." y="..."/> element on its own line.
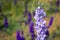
<point x="32" y="31"/>
<point x="31" y="27"/>
<point x="6" y="22"/>
<point x="51" y="21"/>
<point x="32" y="36"/>
<point x="47" y="33"/>
<point x="29" y="17"/>
<point x="18" y="36"/>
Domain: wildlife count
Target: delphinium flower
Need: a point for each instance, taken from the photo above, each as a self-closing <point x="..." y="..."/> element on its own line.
<point x="40" y="28"/>
<point x="32" y="31"/>
<point x="29" y="17"/>
<point x="19" y="36"/>
<point x="51" y="21"/>
<point x="6" y="22"/>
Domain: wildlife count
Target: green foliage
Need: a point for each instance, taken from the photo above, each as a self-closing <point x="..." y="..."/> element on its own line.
<point x="26" y="1"/>
<point x="10" y="28"/>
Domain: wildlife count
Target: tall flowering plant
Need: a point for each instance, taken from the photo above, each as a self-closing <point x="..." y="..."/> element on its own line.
<point x="41" y="29"/>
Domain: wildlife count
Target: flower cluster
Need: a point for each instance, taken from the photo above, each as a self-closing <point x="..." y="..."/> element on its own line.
<point x="40" y="28"/>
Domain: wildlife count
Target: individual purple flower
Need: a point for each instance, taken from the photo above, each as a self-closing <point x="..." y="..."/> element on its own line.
<point x="51" y="21"/>
<point x="29" y="17"/>
<point x="18" y="36"/>
<point x="47" y="33"/>
<point x="32" y="36"/>
<point x="32" y="31"/>
<point x="22" y="38"/>
<point x="31" y="27"/>
<point x="6" y="22"/>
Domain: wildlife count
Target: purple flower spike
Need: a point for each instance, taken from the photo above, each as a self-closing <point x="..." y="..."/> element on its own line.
<point x="18" y="36"/>
<point x="41" y="29"/>
<point x="32" y="31"/>
<point x="32" y="36"/>
<point x="51" y="21"/>
<point x="31" y="27"/>
<point x="29" y="17"/>
<point x="6" y="22"/>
